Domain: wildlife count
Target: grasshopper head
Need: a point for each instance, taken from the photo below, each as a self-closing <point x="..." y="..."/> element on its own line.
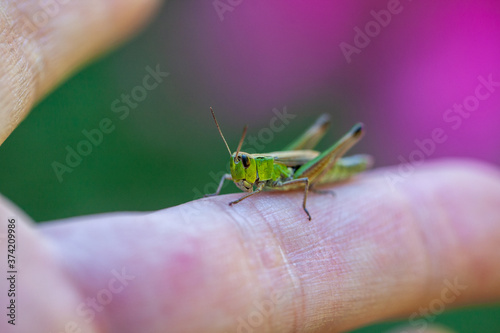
<point x="243" y="166"/>
<point x="243" y="170"/>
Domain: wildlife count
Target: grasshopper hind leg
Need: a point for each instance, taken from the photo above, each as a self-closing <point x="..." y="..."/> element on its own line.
<point x="304" y="180"/>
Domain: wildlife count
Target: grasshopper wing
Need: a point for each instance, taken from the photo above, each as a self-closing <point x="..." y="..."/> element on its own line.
<point x="292" y="158"/>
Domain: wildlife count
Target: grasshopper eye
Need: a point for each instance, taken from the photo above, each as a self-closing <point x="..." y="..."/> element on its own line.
<point x="245" y="161"/>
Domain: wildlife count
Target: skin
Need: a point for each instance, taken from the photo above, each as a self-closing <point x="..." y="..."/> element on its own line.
<point x="372" y="252"/>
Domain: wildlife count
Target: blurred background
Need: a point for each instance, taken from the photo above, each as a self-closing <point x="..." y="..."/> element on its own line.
<point x="423" y="76"/>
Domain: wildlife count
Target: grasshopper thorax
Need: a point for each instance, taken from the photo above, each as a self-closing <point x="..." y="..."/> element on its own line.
<point x="243" y="170"/>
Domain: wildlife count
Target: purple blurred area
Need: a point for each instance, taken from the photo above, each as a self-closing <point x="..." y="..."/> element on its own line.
<point x="405" y="74"/>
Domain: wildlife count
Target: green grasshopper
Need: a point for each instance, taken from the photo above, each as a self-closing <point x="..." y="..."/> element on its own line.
<point x="297" y="166"/>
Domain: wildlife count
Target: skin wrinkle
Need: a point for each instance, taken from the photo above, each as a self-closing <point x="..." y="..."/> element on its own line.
<point x="284" y="280"/>
<point x="393" y="233"/>
<point x="436" y="240"/>
<point x="448" y="243"/>
<point x="235" y="239"/>
<point x="321" y="255"/>
<point x="295" y="267"/>
<point x="312" y="257"/>
<point x="299" y="298"/>
<point x="266" y="260"/>
<point x="418" y="248"/>
<point x="420" y="243"/>
<point x="264" y="278"/>
<point x="462" y="234"/>
<point x="300" y="261"/>
<point x="30" y="44"/>
<point x="297" y="286"/>
<point x="423" y="243"/>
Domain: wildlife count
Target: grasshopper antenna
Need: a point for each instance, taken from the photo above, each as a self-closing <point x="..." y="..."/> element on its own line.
<point x="241" y="142"/>
<point x="217" y="124"/>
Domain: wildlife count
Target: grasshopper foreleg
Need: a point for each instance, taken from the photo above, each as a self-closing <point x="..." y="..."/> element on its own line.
<point x="304" y="180"/>
<point x="227" y="176"/>
<point x="259" y="188"/>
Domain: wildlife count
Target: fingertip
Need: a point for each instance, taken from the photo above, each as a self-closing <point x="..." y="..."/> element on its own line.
<point x="43" y="42"/>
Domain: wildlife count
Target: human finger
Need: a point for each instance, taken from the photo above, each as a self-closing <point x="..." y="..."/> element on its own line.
<point x="43" y="42"/>
<point x="370" y="253"/>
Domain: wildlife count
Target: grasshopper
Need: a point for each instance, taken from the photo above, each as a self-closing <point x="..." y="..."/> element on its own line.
<point x="297" y="166"/>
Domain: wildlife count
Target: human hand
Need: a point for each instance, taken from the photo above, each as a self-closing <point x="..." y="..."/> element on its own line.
<point x="370" y="253"/>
